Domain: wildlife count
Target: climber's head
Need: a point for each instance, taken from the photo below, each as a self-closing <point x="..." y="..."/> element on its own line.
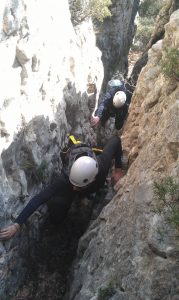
<point x="119" y="99"/>
<point x="83" y="171"/>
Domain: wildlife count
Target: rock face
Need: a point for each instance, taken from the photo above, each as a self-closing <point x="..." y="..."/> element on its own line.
<point x="157" y="34"/>
<point x="114" y="37"/>
<point x="130" y="252"/>
<point x="47" y="71"/>
<point x="44" y="77"/>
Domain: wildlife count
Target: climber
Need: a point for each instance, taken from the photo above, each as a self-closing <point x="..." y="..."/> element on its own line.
<point x="114" y="104"/>
<point x="83" y="173"/>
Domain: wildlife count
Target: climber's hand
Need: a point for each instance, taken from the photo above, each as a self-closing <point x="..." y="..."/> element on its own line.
<point x="94" y="120"/>
<point x="9" y="232"/>
<point x="117" y="174"/>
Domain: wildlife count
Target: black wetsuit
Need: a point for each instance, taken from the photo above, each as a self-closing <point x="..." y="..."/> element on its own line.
<point x="63" y="191"/>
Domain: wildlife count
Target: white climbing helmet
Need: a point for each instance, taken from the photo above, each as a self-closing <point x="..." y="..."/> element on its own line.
<point x="83" y="171"/>
<point x="119" y="99"/>
<point x="114" y="83"/>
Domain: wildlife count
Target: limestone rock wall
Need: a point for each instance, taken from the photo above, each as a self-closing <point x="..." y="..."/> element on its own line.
<point x="130" y="252"/>
<point x="115" y="36"/>
<point x="46" y="69"/>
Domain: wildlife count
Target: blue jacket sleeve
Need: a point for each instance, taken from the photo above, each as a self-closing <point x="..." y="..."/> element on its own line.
<point x="107" y="98"/>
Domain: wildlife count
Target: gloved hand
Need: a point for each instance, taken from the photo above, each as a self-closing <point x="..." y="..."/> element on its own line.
<point x="94" y="120"/>
<point x="9" y="232"/>
<point x="117" y="174"/>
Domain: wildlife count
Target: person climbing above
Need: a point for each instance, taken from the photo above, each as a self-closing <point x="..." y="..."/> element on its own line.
<point x="83" y="173"/>
<point x="114" y="104"/>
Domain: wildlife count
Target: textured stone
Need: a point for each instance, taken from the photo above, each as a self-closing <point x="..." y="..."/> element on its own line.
<point x="44" y="77"/>
<point x="130" y="247"/>
<point x="114" y="37"/>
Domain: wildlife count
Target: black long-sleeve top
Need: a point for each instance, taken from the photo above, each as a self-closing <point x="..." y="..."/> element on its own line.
<point x="64" y="188"/>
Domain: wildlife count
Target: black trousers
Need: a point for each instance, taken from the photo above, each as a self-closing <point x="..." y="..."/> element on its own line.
<point x="112" y="150"/>
<point x="119" y="118"/>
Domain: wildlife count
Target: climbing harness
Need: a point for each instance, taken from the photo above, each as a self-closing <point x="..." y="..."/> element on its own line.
<point x="73" y="141"/>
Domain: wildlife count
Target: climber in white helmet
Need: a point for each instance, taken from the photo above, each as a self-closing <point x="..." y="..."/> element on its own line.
<point x="115" y="103"/>
<point x="119" y="99"/>
<point x="83" y="173"/>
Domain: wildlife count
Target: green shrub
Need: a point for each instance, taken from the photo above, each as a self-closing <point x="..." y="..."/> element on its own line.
<point x="144" y="30"/>
<point x="105" y="293"/>
<point x="167" y="201"/>
<point x="170" y="63"/>
<point x="150" y="8"/>
<point x="36" y="172"/>
<point x="148" y="11"/>
<point x="98" y="9"/>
